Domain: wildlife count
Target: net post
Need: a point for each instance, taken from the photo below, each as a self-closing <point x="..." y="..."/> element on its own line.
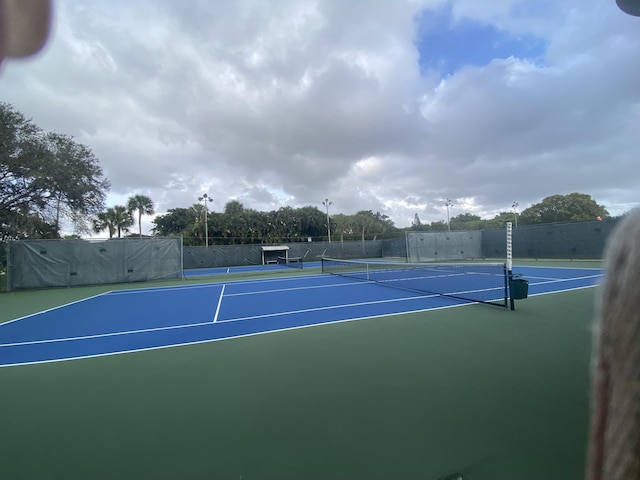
<point x="510" y="261"/>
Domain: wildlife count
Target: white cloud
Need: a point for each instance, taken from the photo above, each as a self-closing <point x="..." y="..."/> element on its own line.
<point x="280" y="103"/>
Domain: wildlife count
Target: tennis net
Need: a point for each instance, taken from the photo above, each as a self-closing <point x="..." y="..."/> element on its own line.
<point x="477" y="282"/>
<point x="293" y="262"/>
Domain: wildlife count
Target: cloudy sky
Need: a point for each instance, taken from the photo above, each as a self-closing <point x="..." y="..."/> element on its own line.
<point x="383" y="105"/>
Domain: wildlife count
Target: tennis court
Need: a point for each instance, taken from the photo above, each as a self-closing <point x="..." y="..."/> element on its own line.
<point x="163" y="317"/>
<point x="388" y="384"/>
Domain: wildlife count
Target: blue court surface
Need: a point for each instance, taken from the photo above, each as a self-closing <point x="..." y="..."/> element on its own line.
<point x="141" y="319"/>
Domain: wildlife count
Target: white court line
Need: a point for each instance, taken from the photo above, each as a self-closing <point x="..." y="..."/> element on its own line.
<point x="100" y="335"/>
<point x="289" y="279"/>
<point x="559" y="291"/>
<point x="330" y="307"/>
<point x="54" y="308"/>
<point x="154" y="289"/>
<point x="291" y="289"/>
<point x="198" y="342"/>
<point x="560" y="280"/>
<point x="215" y="317"/>
<point x="173" y="327"/>
<point x="211" y="284"/>
<point x="452" y="294"/>
<point x="260" y="316"/>
<point x="131" y="291"/>
<point x="561" y="268"/>
<point x="210" y="340"/>
<point x="110" y="293"/>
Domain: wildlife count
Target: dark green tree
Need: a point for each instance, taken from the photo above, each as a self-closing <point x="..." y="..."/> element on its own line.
<point x="466" y="221"/>
<point x="367" y="222"/>
<point x="341" y="225"/>
<point x="242" y="225"/>
<point x="563" y="208"/>
<point x="75" y="182"/>
<point x="23" y="154"/>
<point x="362" y="222"/>
<point x="234" y="221"/>
<point x="500" y="220"/>
<point x="439" y="226"/>
<point x="255" y="224"/>
<point x="312" y="222"/>
<point x="175" y="222"/>
<point x="44" y="174"/>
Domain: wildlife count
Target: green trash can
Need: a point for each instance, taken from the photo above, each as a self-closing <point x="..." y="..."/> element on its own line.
<point x="519" y="288"/>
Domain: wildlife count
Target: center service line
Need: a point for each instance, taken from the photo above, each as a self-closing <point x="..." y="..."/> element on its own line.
<point x="215" y="318"/>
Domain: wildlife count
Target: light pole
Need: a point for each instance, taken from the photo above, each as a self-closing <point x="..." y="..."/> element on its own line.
<point x="448" y="204"/>
<point x="326" y="203"/>
<point x="515" y="213"/>
<point x="206" y="198"/>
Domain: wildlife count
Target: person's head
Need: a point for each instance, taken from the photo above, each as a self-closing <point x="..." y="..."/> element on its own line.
<point x="614" y="441"/>
<point x="24" y="27"/>
<point x="614" y="446"/>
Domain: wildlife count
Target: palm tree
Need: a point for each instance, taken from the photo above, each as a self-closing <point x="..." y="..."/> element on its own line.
<point x="363" y="222"/>
<point x="342" y="224"/>
<point x="143" y="205"/>
<point x="103" y="221"/>
<point x="114" y="219"/>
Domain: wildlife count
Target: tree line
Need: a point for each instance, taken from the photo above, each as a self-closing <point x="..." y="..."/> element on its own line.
<point x="237" y="225"/>
<point x="49" y="178"/>
<point x="574" y="207"/>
